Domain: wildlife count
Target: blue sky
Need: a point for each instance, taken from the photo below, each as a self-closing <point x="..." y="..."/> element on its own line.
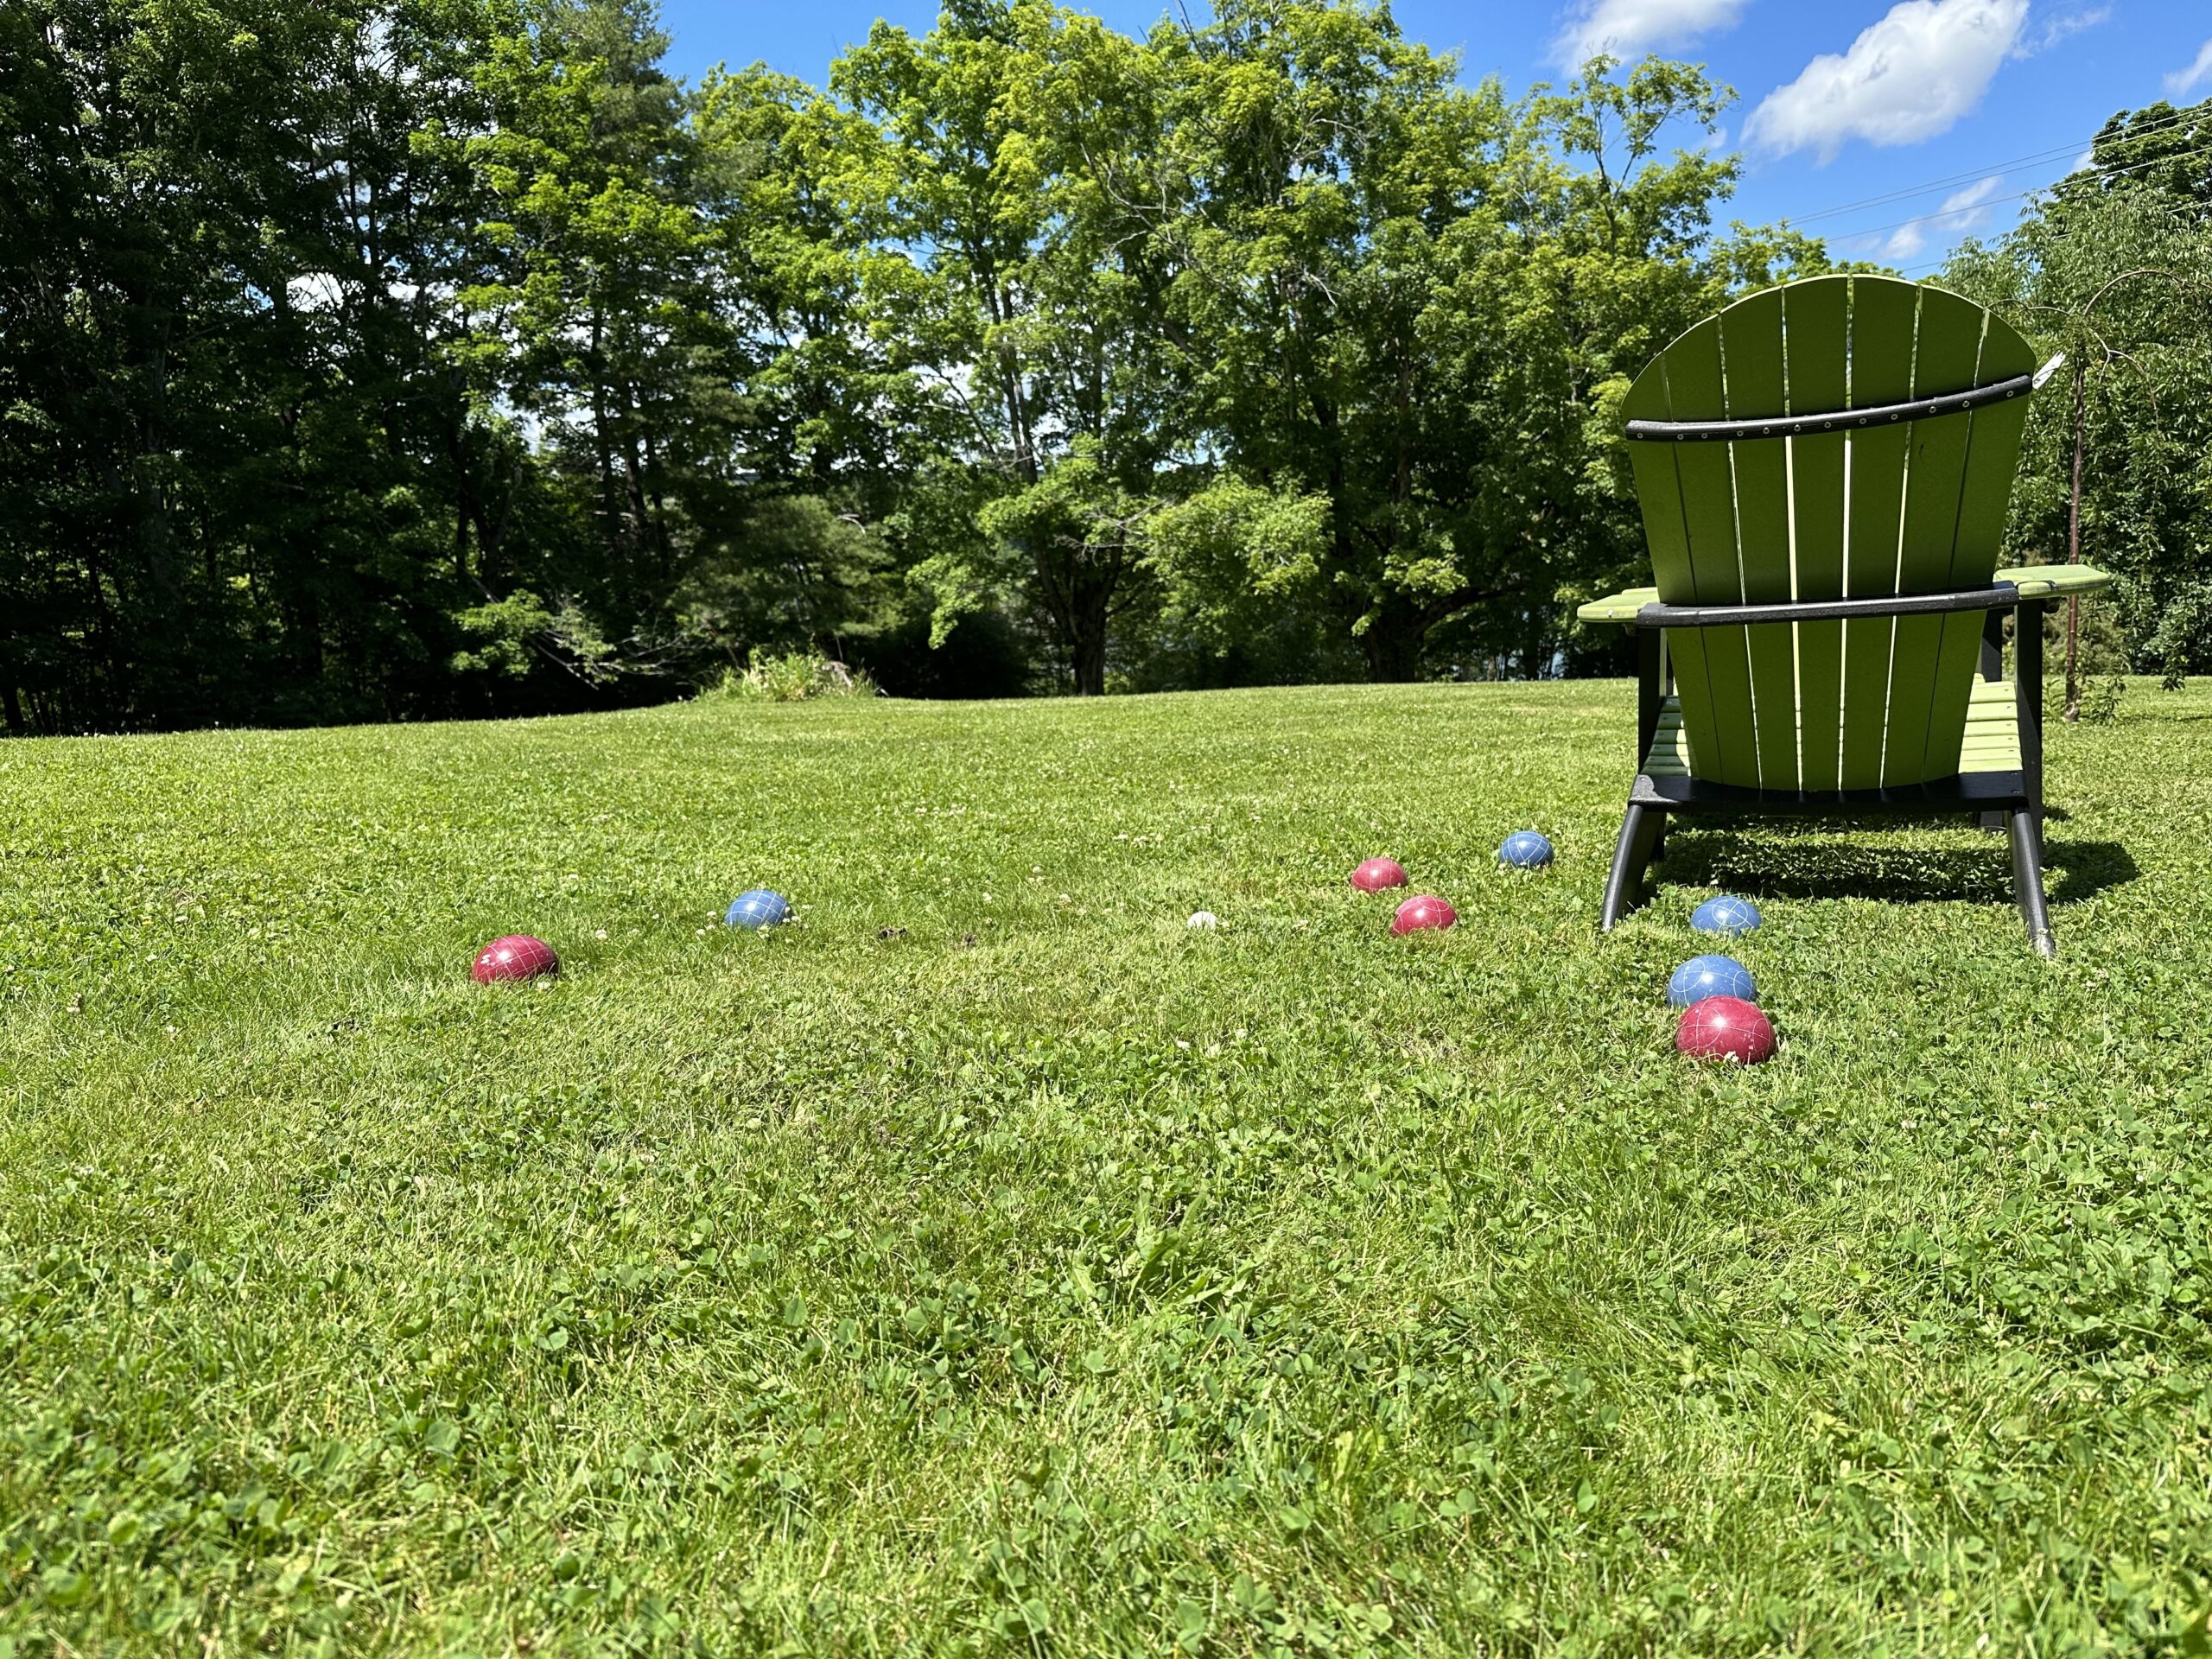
<point x="1964" y="103"/>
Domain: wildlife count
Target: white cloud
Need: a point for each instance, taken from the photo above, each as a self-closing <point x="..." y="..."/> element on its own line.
<point x="1905" y="79"/>
<point x="1625" y="29"/>
<point x="2184" y="80"/>
<point x="2055" y="29"/>
<point x="1962" y="211"/>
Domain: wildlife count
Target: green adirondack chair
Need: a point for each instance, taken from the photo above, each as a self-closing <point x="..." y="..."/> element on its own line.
<point x="1823" y="470"/>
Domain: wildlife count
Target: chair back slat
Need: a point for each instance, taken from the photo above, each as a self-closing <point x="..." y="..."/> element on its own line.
<point x="1659" y="494"/>
<point x="1752" y="363"/>
<point x="1695" y="380"/>
<point x="1882" y="318"/>
<point x="1818" y="316"/>
<point x="1928" y="693"/>
<point x="1985" y="493"/>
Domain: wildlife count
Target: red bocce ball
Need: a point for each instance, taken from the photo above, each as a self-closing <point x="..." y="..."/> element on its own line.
<point x="1725" y="1028"/>
<point x="516" y="956"/>
<point x="1423" y="911"/>
<point x="1377" y="873"/>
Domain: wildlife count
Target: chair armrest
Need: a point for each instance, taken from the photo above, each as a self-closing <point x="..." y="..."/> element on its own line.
<point x="1640" y="606"/>
<point x="1618" y="608"/>
<point x="1999" y="596"/>
<point x="2054" y="580"/>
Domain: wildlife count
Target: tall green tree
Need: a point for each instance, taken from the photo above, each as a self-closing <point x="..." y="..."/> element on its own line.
<point x="837" y="423"/>
<point x="594" y="315"/>
<point x="1011" y="126"/>
<point x="390" y="357"/>
<point x="221" y="261"/>
<point x="1422" y="303"/>
<point x="2114" y="268"/>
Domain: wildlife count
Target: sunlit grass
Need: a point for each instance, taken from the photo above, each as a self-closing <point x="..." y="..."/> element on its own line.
<point x="989" y="1263"/>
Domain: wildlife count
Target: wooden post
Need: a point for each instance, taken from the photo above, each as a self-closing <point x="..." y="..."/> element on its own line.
<point x="2073" y="710"/>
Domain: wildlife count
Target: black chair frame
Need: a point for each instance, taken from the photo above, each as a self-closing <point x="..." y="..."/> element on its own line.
<point x="2011" y="801"/>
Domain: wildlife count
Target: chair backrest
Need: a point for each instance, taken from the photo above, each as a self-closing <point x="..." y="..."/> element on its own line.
<point x="1916" y="506"/>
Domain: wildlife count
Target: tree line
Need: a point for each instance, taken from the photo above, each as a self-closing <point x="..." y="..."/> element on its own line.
<point x="368" y="360"/>
<point x="2113" y="267"/>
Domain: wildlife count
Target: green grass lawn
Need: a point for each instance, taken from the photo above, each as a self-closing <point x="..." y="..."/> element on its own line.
<point x="989" y="1263"/>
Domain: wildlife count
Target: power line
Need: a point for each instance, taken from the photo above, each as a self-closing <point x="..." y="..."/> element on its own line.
<point x="1996" y="171"/>
<point x="2147" y="130"/>
<point x="2170" y="210"/>
<point x="2108" y="172"/>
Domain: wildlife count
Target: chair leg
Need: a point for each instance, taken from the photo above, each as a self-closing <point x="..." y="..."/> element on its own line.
<point x="1640" y="832"/>
<point x="2027" y="880"/>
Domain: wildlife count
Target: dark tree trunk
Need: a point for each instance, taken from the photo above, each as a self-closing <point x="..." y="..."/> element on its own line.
<point x="602" y="438"/>
<point x="1080" y="602"/>
<point x="1088" y="650"/>
<point x="1392" y="647"/>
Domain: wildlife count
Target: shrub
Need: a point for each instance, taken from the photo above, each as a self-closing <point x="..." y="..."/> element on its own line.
<point x="2101" y="699"/>
<point x="793" y="677"/>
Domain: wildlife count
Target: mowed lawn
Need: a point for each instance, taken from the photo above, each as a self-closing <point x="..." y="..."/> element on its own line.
<point x="989" y="1263"/>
